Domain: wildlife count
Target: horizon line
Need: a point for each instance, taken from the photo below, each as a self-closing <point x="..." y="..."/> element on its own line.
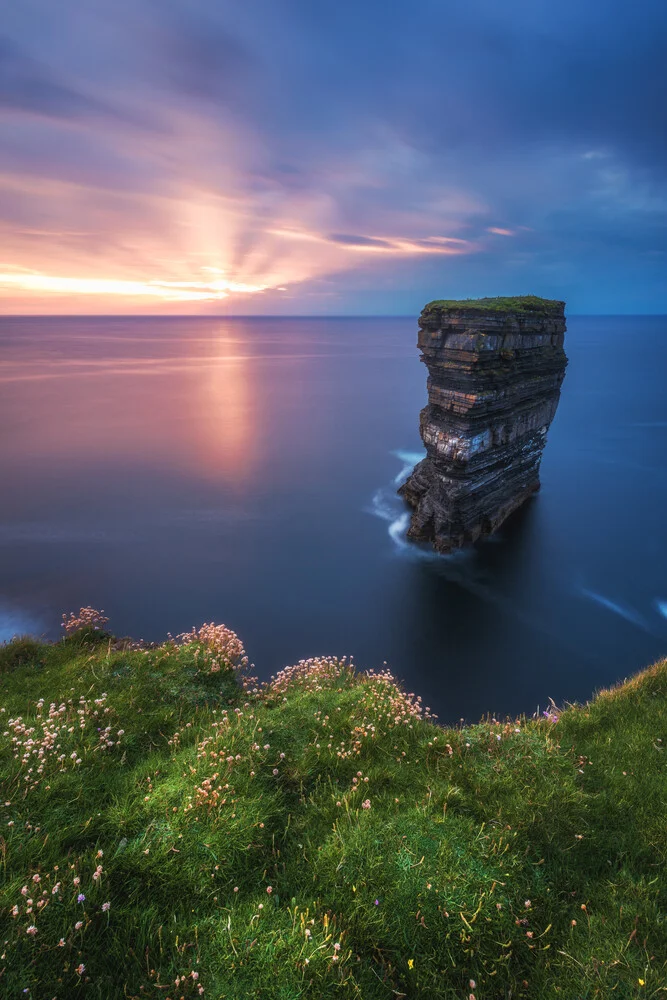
<point x="10" y="316"/>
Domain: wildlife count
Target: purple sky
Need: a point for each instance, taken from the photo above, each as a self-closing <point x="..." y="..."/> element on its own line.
<point x="289" y="156"/>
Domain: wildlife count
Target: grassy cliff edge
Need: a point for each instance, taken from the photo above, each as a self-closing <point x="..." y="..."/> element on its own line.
<point x="170" y="828"/>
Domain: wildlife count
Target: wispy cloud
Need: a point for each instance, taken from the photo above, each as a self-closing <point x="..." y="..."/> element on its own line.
<point x="288" y="146"/>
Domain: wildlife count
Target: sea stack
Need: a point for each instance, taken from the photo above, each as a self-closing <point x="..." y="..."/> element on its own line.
<point x="495" y="368"/>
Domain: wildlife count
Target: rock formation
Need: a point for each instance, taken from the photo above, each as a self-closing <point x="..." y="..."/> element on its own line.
<point x="495" y="371"/>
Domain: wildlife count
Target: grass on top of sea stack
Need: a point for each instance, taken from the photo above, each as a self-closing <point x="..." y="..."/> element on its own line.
<point x="168" y="831"/>
<point x="526" y="304"/>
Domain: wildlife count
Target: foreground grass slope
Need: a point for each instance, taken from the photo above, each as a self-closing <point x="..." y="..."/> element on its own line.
<point x="166" y="831"/>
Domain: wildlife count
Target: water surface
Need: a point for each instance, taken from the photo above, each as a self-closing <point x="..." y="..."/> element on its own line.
<point x="177" y="470"/>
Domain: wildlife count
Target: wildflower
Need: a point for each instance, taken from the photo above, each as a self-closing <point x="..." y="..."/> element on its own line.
<point x="527" y="904"/>
<point x="78" y="925"/>
<point x="106" y="907"/>
<point x="411" y="963"/>
<point x="377" y="902"/>
<point x="261" y="906"/>
<point x="236" y="888"/>
<point x="36" y="878"/>
<point x="81" y="969"/>
<point x="473" y="984"/>
<point x="32" y="930"/>
<point x="269" y="889"/>
<point x="61" y="943"/>
<point x="366" y="804"/>
<point x="337" y="946"/>
<point x="81" y="898"/>
<point x="275" y="771"/>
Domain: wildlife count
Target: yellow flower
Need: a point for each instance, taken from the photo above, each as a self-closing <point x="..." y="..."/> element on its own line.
<point x="411" y="964"/>
<point x="641" y="982"/>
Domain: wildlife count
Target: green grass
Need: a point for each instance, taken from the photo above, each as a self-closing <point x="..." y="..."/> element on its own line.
<point x="527" y="857"/>
<point x="525" y="304"/>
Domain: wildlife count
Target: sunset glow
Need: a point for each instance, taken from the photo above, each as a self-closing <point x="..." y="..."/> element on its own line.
<point x="179" y="159"/>
<point x="174" y="291"/>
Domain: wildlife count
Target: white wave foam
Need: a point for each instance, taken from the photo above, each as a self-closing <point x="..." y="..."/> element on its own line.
<point x="409" y="459"/>
<point x="622" y="610"/>
<point x="398" y="529"/>
<point x="389" y="507"/>
<point x="662" y="608"/>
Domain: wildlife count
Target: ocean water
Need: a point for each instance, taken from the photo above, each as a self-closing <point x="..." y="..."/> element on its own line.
<point x="174" y="471"/>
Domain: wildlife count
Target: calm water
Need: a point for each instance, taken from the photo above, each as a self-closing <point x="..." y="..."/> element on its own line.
<point x="180" y="470"/>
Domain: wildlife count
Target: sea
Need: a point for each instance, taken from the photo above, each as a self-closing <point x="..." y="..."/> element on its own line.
<point x="174" y="471"/>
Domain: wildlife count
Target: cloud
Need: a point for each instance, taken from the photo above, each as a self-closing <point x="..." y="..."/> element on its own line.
<point x="360" y="241"/>
<point x="289" y="143"/>
<point x="27" y="85"/>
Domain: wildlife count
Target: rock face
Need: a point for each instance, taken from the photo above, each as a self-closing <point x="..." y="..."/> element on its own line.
<point x="495" y="368"/>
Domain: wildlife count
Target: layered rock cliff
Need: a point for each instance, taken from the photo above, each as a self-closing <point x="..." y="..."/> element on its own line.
<point x="495" y="371"/>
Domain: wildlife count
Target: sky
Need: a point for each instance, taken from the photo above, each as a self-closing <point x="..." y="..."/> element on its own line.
<point x="331" y="156"/>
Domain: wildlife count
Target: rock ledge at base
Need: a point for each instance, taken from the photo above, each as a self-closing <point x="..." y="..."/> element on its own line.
<point x="495" y="371"/>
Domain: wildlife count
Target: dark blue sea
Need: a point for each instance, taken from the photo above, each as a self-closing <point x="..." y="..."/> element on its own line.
<point x="174" y="471"/>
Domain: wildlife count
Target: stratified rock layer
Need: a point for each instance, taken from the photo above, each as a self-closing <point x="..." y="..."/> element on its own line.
<point x="495" y="371"/>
